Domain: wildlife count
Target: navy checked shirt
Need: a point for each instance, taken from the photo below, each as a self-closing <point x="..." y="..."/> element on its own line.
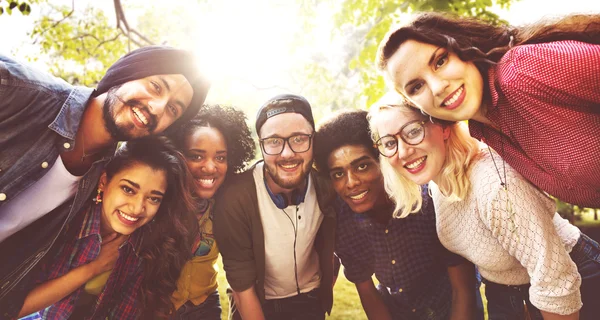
<point x="406" y="257"/>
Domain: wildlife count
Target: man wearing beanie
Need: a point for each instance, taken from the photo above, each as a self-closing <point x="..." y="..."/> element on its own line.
<point x="275" y="222"/>
<point x="56" y="138"/>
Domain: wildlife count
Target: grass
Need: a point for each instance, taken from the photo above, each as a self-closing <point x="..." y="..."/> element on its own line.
<point x="346" y="304"/>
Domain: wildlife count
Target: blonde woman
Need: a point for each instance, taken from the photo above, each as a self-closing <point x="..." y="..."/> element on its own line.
<point x="489" y="214"/>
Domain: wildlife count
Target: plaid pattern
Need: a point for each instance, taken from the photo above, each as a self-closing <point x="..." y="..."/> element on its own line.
<point x="405" y="255"/>
<point x="80" y="246"/>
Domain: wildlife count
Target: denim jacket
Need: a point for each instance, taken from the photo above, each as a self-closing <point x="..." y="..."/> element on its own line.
<point x="39" y="117"/>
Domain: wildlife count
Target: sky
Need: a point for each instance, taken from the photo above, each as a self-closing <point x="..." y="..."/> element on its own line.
<point x="263" y="38"/>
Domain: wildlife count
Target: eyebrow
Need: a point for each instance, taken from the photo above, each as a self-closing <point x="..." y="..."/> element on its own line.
<point x="433" y="55"/>
<point x="204" y="151"/>
<point x="352" y="163"/>
<point x="137" y="186"/>
<point x="178" y="102"/>
<point x="291" y="135"/>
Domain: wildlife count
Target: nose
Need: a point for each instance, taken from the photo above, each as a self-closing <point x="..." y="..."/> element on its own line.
<point x="404" y="149"/>
<point x="208" y="167"/>
<point x="136" y="205"/>
<point x="352" y="180"/>
<point x="157" y="106"/>
<point x="287" y="151"/>
<point x="438" y="85"/>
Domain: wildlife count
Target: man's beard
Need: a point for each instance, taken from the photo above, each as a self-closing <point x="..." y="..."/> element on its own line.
<point x="287" y="183"/>
<point x="122" y="133"/>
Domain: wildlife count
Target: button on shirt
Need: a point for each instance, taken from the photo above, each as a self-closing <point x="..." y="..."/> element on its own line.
<point x="406" y="257"/>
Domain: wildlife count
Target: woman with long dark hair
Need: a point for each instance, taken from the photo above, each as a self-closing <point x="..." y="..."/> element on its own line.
<point x="121" y="256"/>
<point x="532" y="92"/>
<point x="217" y="144"/>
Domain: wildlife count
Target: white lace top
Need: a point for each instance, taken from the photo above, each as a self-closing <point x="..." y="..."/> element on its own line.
<point x="514" y="237"/>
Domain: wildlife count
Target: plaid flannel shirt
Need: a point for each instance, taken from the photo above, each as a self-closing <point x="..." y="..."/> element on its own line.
<point x="406" y="257"/>
<point x="119" y="299"/>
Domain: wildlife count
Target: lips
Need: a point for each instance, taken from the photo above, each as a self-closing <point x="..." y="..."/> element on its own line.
<point x="206" y="182"/>
<point x="140" y="117"/>
<point x="358" y="196"/>
<point x="289" y="166"/>
<point x="416" y="165"/>
<point x="454" y="99"/>
<point x="127" y="219"/>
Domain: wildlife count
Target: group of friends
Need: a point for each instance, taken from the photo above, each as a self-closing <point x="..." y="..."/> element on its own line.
<point x="115" y="202"/>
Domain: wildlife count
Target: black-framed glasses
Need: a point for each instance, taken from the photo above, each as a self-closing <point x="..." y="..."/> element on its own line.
<point x="411" y="133"/>
<point x="298" y="143"/>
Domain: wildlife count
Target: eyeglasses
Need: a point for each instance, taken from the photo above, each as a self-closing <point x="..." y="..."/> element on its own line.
<point x="411" y="133"/>
<point x="298" y="143"/>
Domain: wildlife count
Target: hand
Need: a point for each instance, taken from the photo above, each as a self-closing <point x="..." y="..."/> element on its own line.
<point x="109" y="253"/>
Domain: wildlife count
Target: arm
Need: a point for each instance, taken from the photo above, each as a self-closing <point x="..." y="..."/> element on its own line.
<point x="56" y="289"/>
<point x="248" y="304"/>
<point x="372" y="302"/>
<point x="462" y="279"/>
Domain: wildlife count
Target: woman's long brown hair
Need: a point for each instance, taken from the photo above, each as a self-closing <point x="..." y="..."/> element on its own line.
<point x="167" y="239"/>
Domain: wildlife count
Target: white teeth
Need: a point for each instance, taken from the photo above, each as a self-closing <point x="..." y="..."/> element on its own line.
<point x="127" y="217"/>
<point x="140" y="115"/>
<point x="360" y="195"/>
<point x="206" y="182"/>
<point x="290" y="166"/>
<point x="455" y="96"/>
<point x="415" y="164"/>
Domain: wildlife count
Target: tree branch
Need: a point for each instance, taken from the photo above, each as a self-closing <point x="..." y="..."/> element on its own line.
<point x="123" y="25"/>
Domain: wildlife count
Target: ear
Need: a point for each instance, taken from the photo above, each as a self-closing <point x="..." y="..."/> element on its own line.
<point x="103" y="181"/>
<point x="446" y="132"/>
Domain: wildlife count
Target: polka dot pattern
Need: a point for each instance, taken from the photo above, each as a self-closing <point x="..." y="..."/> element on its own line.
<point x="545" y="100"/>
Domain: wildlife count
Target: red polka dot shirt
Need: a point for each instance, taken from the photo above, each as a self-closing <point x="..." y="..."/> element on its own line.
<point x="545" y="100"/>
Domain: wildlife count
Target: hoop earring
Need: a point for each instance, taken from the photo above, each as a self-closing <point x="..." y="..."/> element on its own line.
<point x="98" y="198"/>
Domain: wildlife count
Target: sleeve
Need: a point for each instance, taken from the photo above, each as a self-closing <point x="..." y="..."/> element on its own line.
<point x="352" y="247"/>
<point x="233" y="233"/>
<point x="521" y="218"/>
<point x="559" y="73"/>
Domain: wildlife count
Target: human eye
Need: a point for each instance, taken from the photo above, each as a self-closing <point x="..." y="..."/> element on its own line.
<point x="414" y="89"/>
<point x="337" y="175"/>
<point x="362" y="167"/>
<point x="389" y="143"/>
<point x="127" y="189"/>
<point x="195" y="157"/>
<point x="155" y="200"/>
<point x="274" y="141"/>
<point x="441" y="61"/>
<point x="221" y="158"/>
<point x="173" y="109"/>
<point x="156" y="86"/>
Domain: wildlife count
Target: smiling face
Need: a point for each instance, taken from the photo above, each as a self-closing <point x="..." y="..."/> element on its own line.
<point x="287" y="170"/>
<point x="206" y="157"/>
<point x="146" y="106"/>
<point x="131" y="198"/>
<point x="437" y="81"/>
<point x="356" y="177"/>
<point x="419" y="163"/>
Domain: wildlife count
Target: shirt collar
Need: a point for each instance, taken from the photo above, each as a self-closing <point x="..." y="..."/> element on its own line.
<point x="69" y="117"/>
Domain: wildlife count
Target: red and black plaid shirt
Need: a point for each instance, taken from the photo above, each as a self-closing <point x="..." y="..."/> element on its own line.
<point x="119" y="299"/>
<point x="545" y="100"/>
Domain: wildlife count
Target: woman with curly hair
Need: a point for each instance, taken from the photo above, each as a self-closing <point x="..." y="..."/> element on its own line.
<point x="489" y="214"/>
<point x="532" y="92"/>
<point x="124" y="251"/>
<point x="217" y="144"/>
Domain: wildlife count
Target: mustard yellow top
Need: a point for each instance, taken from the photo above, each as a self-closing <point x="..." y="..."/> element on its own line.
<point x="198" y="278"/>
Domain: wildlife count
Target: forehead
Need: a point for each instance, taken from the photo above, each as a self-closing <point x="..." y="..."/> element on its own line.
<point x="203" y="137"/>
<point x="145" y="176"/>
<point x="390" y="120"/>
<point x="345" y="155"/>
<point x="285" y="125"/>
<point x="411" y="57"/>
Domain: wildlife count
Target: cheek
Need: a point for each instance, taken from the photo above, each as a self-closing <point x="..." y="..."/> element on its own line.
<point x="338" y="186"/>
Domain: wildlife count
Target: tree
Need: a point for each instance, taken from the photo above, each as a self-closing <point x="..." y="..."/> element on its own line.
<point x="24" y="7"/>
<point x="362" y="24"/>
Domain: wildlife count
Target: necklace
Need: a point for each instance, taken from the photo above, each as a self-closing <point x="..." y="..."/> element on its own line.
<point x="504" y="182"/>
<point x="83" y="156"/>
